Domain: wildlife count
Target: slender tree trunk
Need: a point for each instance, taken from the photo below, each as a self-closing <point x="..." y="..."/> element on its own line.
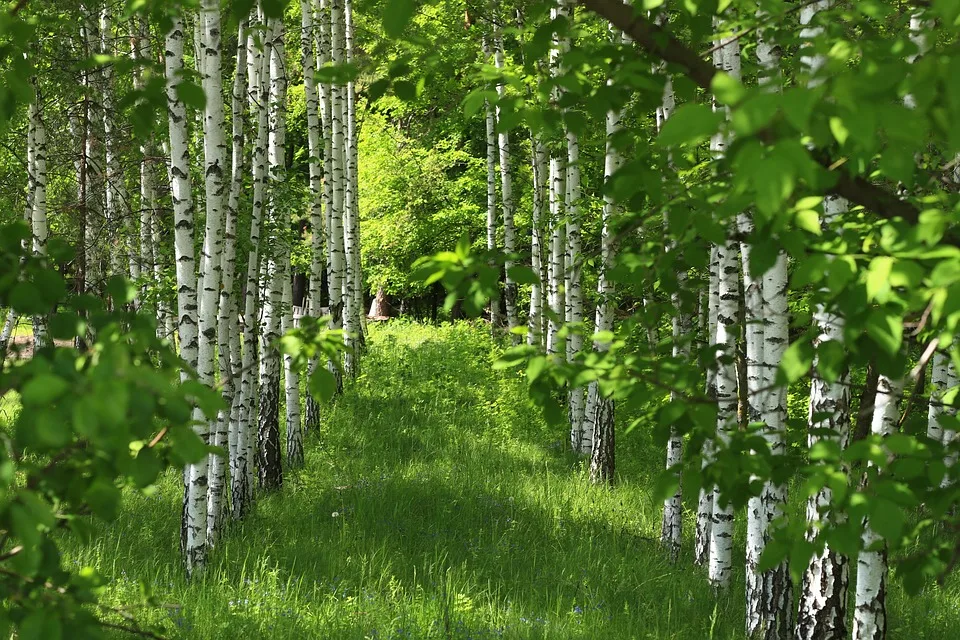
<point x="338" y="260"/>
<point x="599" y="412"/>
<point x="271" y="471"/>
<point x="148" y="257"/>
<point x="701" y="548"/>
<point x="291" y="384"/>
<point x="535" y="329"/>
<point x="13" y="317"/>
<point x="506" y="194"/>
<point x="823" y="593"/>
<point x="671" y="530"/>
<point x="727" y="58"/>
<point x="117" y="203"/>
<point x="330" y="98"/>
<point x="938" y="385"/>
<point x="352" y="205"/>
<point x="769" y="594"/>
<point x="92" y="164"/>
<point x="314" y="148"/>
<point x="870" y="613"/>
<point x="194" y="525"/>
<point x="491" y="193"/>
<point x="228" y="324"/>
<point x="39" y="204"/>
<point x="228" y="327"/>
<point x="258" y="74"/>
<point x="579" y="438"/>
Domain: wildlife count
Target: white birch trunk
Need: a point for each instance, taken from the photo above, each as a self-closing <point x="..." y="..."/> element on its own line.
<point x="117" y="203"/>
<point x="769" y="594"/>
<point x="39" y="225"/>
<point x="353" y="164"/>
<point x="558" y="241"/>
<point x="870" y="612"/>
<point x="330" y="97"/>
<point x="248" y="411"/>
<point x="271" y="471"/>
<point x="671" y="528"/>
<point x="823" y="592"/>
<point x="599" y="411"/>
<point x="315" y="150"/>
<point x="938" y="385"/>
<point x="535" y="328"/>
<point x="721" y="526"/>
<point x="228" y="327"/>
<point x="701" y="547"/>
<point x="91" y="171"/>
<point x="194" y="524"/>
<point x="556" y="228"/>
<point x="147" y="263"/>
<point x="579" y="437"/>
<point x="291" y="378"/>
<point x="490" y="119"/>
<point x="506" y="195"/>
<point x="353" y="289"/>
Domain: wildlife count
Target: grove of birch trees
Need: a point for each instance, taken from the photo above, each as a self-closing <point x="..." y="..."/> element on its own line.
<point x="730" y="224"/>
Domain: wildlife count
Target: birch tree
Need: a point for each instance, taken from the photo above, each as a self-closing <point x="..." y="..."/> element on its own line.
<point x="769" y="593"/>
<point x="333" y="171"/>
<point x="506" y="189"/>
<point x="490" y="120"/>
<point x="726" y="57"/>
<point x="823" y="594"/>
<point x="194" y="525"/>
<point x="316" y="152"/>
<point x="258" y="76"/>
<point x="870" y="614"/>
<point x="228" y="327"/>
<point x="352" y="203"/>
<point x="38" y="203"/>
<point x="671" y="528"/>
<point x="539" y="215"/>
<point x="599" y="411"/>
<point x="269" y="463"/>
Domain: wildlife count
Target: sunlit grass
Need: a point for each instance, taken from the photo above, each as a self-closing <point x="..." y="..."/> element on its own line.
<point x="436" y="503"/>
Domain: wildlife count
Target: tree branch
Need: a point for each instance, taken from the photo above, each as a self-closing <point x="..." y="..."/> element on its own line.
<point x="660" y="43"/>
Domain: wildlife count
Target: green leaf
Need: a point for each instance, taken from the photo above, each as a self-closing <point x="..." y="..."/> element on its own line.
<point x="522" y="275"/>
<point x="839" y="129"/>
<point x="796" y="362"/>
<point x="405" y="90"/>
<point x="808" y="220"/>
<point x="396" y="16"/>
<point x="727" y="89"/>
<point x="887" y="519"/>
<point x="690" y="124"/>
<point x="121" y="290"/>
<point x="885" y="330"/>
<point x="191" y="94"/>
<point x="323" y="384"/>
<point x="104" y="498"/>
<point x="43" y="389"/>
<point x="40" y="625"/>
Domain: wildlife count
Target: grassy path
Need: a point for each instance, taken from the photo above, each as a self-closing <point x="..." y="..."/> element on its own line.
<point x="437" y="504"/>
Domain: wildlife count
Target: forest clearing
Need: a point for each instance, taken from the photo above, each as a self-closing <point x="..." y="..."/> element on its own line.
<point x="479" y="319"/>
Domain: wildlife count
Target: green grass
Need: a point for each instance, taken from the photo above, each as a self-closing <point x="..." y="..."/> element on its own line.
<point x="436" y="503"/>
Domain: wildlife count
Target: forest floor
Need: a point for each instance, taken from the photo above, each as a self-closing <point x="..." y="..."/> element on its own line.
<point x="436" y="503"/>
